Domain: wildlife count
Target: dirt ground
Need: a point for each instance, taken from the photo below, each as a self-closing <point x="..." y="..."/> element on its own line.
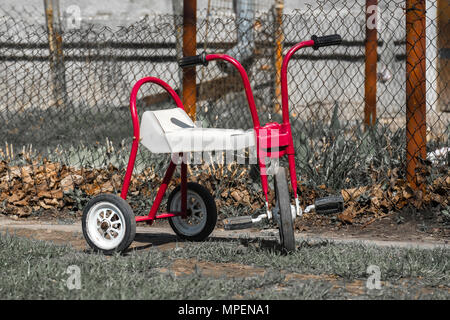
<point x="402" y="226"/>
<point x="396" y="229"/>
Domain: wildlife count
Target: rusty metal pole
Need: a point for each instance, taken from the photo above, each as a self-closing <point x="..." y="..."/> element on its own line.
<point x="416" y="127"/>
<point x="371" y="57"/>
<point x="278" y="59"/>
<point x="443" y="63"/>
<point x="177" y="7"/>
<point x="189" y="49"/>
<point x="54" y="32"/>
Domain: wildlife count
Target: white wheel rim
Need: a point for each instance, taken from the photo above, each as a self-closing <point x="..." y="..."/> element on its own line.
<point x="194" y="223"/>
<point x="105" y="225"/>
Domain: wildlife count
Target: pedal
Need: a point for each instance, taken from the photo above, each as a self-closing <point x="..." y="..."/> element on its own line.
<point x="329" y="205"/>
<point x="235" y="223"/>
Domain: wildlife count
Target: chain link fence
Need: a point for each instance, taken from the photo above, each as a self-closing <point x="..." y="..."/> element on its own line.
<point x="67" y="131"/>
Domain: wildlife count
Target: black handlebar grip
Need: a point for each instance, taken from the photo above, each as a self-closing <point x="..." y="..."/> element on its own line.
<point x="324" y="41"/>
<point x="191" y="61"/>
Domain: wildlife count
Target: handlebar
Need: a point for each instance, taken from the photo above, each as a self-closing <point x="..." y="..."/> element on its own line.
<point x="192" y="61"/>
<point x="315" y="42"/>
<point x="324" y="41"/>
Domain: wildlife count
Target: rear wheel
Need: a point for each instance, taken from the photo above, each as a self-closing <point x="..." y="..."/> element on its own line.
<point x="286" y="225"/>
<point x="201" y="213"/>
<point x="108" y="224"/>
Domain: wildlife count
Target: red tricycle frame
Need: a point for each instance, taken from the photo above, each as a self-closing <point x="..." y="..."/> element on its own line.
<point x="273" y="140"/>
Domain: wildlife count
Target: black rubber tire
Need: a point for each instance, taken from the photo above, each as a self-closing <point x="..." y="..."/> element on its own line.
<point x="211" y="212"/>
<point x="286" y="227"/>
<point x="129" y="221"/>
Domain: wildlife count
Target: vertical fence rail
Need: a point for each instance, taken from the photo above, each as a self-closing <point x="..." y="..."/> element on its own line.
<point x="177" y="7"/>
<point x="278" y="58"/>
<point x="190" y="49"/>
<point x="416" y="127"/>
<point x="443" y="47"/>
<point x="54" y="32"/>
<point x="371" y="57"/>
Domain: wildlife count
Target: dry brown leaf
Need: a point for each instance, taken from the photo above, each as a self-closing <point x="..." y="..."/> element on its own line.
<point x="14" y="172"/>
<point x="4" y="185"/>
<point x="347" y="215"/>
<point x="45" y="206"/>
<point x="69" y="182"/>
<point x="353" y="193"/>
<point x="107" y="187"/>
<point x="24" y="211"/>
<point x="91" y="189"/>
<point x="375" y="201"/>
<point x="377" y="191"/>
<point x="26" y="178"/>
<point x="57" y="194"/>
<point x="236" y="196"/>
<point x="117" y="180"/>
<point x="51" y="167"/>
<point x="436" y="198"/>
<point x="3" y="166"/>
<point x="23" y="202"/>
<point x="17" y="196"/>
<point x="53" y="202"/>
<point x="44" y="194"/>
<point x="408" y="192"/>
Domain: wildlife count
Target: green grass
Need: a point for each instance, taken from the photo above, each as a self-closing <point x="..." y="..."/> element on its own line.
<point x="349" y="261"/>
<point x="31" y="269"/>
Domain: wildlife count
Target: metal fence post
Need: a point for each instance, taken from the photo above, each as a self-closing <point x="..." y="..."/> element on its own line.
<point x="278" y="58"/>
<point x="57" y="69"/>
<point x="177" y="7"/>
<point x="371" y="57"/>
<point x="189" y="49"/>
<point x="443" y="63"/>
<point x="415" y="88"/>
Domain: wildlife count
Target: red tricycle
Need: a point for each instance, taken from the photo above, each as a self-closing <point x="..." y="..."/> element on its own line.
<point x="108" y="222"/>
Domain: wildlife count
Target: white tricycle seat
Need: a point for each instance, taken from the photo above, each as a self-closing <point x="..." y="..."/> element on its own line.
<point x="172" y="131"/>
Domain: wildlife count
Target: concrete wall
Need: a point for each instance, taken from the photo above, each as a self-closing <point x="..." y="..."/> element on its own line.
<point x="122" y="12"/>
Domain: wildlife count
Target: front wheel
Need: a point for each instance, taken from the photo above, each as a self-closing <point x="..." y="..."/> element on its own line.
<point x="201" y="213"/>
<point x="108" y="224"/>
<point x="286" y="226"/>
